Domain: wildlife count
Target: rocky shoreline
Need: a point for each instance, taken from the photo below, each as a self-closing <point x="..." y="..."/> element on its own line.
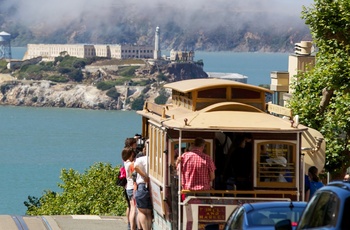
<point x="50" y="94"/>
<point x="44" y="93"/>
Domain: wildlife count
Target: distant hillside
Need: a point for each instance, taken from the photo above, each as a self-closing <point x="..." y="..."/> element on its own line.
<point x="225" y="25"/>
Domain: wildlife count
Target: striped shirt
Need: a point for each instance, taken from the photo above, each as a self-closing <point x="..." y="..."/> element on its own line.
<point x="195" y="170"/>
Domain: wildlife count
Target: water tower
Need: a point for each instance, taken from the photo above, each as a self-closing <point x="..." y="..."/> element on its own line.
<point x="5" y="45"/>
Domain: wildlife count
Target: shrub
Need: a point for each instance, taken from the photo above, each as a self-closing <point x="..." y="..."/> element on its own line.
<point x="79" y="64"/>
<point x="48" y="66"/>
<point x="3" y="65"/>
<point x="146" y="89"/>
<point x="112" y="93"/>
<point x="64" y="70"/>
<point x="93" y="192"/>
<point x="76" y="75"/>
<point x="57" y="59"/>
<point x="127" y="71"/>
<point x="162" y="98"/>
<point x="121" y="81"/>
<point x="70" y="62"/>
<point x="137" y="104"/>
<point x="31" y="68"/>
<point x="161" y="77"/>
<point x="57" y="78"/>
<point x="105" y="85"/>
<point x="144" y="82"/>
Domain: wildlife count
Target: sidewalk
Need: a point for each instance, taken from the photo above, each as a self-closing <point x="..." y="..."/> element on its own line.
<point x="68" y="222"/>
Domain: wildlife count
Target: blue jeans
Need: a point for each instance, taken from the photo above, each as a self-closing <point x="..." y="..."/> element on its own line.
<point x="130" y="193"/>
<point x="142" y="197"/>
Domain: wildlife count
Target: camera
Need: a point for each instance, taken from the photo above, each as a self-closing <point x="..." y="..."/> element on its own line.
<point x="140" y="141"/>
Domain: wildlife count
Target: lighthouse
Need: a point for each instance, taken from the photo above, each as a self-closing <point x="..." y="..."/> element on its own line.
<point x="156" y="55"/>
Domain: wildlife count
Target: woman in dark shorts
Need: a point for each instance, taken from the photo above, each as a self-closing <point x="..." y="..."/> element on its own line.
<point x="142" y="195"/>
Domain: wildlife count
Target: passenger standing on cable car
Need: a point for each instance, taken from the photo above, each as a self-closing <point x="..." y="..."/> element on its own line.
<point x="238" y="168"/>
<point x="128" y="155"/>
<point x="130" y="142"/>
<point x="142" y="194"/>
<point x="197" y="168"/>
<point x="315" y="182"/>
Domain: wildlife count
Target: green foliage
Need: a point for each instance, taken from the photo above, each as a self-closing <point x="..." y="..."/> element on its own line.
<point x="49" y="65"/>
<point x="30" y="72"/>
<point x="127" y="71"/>
<point x="112" y="93"/>
<point x="146" y="89"/>
<point x="64" y="70"/>
<point x="3" y="65"/>
<point x="57" y="60"/>
<point x="79" y="64"/>
<point x="70" y="62"/>
<point x="105" y="85"/>
<point x="144" y="82"/>
<point x="93" y="192"/>
<point x="76" y="75"/>
<point x="161" y="77"/>
<point x="35" y="68"/>
<point x="121" y="81"/>
<point x="329" y="22"/>
<point x="138" y="103"/>
<point x="57" y="78"/>
<point x="162" y="98"/>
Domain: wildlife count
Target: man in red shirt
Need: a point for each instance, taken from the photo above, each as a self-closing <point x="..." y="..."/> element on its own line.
<point x="197" y="168"/>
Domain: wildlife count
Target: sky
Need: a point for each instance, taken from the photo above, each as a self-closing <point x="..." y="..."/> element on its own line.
<point x="49" y="14"/>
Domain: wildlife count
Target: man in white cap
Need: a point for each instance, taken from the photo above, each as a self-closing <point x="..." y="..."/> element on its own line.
<point x="280" y="161"/>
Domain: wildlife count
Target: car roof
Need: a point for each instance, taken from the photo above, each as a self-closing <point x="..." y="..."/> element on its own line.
<point x="341" y="184"/>
<point x="262" y="205"/>
<point x="337" y="187"/>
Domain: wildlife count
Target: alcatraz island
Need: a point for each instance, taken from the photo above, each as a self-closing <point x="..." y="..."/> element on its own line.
<point x="111" y="77"/>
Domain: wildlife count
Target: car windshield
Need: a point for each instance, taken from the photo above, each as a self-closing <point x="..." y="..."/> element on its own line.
<point x="322" y="211"/>
<point x="270" y="216"/>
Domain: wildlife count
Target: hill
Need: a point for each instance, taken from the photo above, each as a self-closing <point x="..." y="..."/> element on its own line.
<point x="240" y="25"/>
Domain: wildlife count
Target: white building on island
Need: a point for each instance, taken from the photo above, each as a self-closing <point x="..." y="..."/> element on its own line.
<point x="48" y="52"/>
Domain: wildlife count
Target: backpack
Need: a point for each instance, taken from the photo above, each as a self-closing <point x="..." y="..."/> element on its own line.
<point x="121" y="180"/>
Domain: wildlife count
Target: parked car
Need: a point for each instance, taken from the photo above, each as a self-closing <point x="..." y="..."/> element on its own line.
<point x="264" y="215"/>
<point x="329" y="209"/>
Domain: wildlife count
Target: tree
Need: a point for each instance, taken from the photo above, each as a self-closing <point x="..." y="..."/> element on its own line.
<point x="321" y="96"/>
<point x="94" y="192"/>
<point x="162" y="97"/>
<point x="138" y="103"/>
<point x="113" y="93"/>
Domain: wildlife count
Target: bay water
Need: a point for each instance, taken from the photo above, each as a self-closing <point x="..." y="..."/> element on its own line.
<point x="36" y="143"/>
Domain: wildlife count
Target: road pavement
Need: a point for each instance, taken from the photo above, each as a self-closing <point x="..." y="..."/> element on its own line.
<point x="67" y="222"/>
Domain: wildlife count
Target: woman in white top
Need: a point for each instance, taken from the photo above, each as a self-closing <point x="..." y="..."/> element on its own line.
<point x="128" y="155"/>
<point x="142" y="195"/>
